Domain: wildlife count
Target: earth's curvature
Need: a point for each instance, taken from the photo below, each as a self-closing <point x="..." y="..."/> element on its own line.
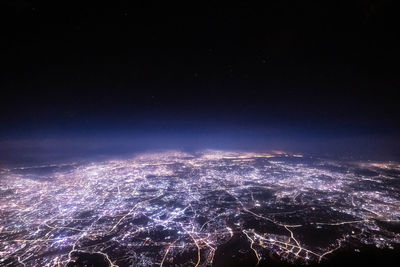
<point x="211" y="208"/>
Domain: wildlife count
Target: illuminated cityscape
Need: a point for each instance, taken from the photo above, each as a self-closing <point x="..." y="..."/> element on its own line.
<point x="174" y="208"/>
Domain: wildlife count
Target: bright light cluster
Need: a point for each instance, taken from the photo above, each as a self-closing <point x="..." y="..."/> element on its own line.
<point x="173" y="208"/>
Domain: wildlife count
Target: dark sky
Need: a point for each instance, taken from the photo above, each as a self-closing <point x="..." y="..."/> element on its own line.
<point x="302" y="69"/>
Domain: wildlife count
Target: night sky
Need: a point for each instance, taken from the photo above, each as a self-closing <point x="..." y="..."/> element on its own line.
<point x="296" y="75"/>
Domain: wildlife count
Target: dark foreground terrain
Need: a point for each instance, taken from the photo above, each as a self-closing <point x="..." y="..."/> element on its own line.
<point x="212" y="208"/>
